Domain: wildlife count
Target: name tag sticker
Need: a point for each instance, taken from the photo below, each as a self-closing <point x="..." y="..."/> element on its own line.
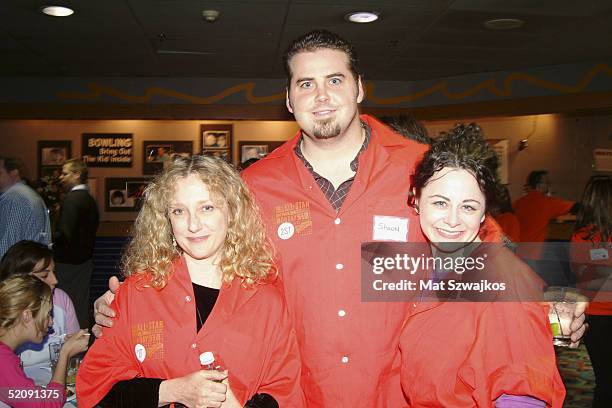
<point x="386" y="228"/>
<point x="599" y="254"/>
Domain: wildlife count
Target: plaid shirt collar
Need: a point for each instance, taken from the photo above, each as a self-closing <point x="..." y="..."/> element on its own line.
<point x="335" y="196"/>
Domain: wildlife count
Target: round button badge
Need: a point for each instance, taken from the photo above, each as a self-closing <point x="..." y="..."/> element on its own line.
<point x="141" y="352"/>
<point x="285" y="230"/>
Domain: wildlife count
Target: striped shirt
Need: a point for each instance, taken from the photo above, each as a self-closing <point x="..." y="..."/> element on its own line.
<point x="23" y="215"/>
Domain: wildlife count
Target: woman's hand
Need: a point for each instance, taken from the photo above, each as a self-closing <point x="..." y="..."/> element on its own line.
<point x="75" y="343"/>
<point x="201" y="389"/>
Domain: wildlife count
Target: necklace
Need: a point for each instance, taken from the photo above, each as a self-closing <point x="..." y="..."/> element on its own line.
<point x="199" y="315"/>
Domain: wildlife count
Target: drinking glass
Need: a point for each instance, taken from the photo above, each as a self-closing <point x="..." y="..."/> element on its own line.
<point x="563" y="301"/>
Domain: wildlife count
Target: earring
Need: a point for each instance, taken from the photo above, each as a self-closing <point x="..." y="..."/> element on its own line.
<point x="174" y="242"/>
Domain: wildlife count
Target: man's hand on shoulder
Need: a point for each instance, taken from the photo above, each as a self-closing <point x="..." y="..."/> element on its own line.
<point x="103" y="313"/>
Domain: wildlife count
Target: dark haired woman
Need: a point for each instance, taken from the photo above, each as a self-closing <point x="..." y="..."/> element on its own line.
<point x="495" y="352"/>
<point x="33" y="258"/>
<point x="590" y="250"/>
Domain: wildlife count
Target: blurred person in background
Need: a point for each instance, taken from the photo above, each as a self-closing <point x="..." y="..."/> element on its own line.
<point x="537" y="208"/>
<point x="505" y="216"/>
<point x="409" y="127"/>
<point x="33" y="258"/>
<point x="26" y="310"/>
<point x="23" y="214"/>
<point x="591" y="250"/>
<point x="75" y="236"/>
<point x="535" y="211"/>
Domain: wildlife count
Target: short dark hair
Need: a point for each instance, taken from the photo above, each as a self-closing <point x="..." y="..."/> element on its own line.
<point x="14" y="163"/>
<point x="321" y="39"/>
<point x="504" y="202"/>
<point x="595" y="211"/>
<point x="22" y="257"/>
<point x="409" y="127"/>
<point x="78" y="166"/>
<point x="463" y="147"/>
<point x="535" y="178"/>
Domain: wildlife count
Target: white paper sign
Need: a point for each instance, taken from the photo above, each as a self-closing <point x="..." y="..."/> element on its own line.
<point x="603" y="159"/>
<point x="386" y="228"/>
<point x="599" y="254"/>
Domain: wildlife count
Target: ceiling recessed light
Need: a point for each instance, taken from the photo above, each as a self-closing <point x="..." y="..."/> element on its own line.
<point x="361" y="16"/>
<point x="503" y="23"/>
<point x="57" y="11"/>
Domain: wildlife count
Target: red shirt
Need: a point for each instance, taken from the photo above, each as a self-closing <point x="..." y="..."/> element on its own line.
<point x="349" y="347"/>
<point x="468" y="354"/>
<point x="585" y="260"/>
<point x="509" y="223"/>
<point x="248" y="329"/>
<point x="535" y="210"/>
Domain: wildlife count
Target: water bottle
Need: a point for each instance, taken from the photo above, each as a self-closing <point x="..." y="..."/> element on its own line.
<point x="208" y="362"/>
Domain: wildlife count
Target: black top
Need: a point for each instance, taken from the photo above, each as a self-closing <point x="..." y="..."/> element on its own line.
<point x="76" y="229"/>
<point x="205" y="298"/>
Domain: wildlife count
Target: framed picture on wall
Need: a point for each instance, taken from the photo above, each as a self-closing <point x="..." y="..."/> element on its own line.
<point x="216" y="140"/>
<point x="124" y="194"/>
<point x="255" y="149"/>
<point x="52" y="154"/>
<point x="156" y="153"/>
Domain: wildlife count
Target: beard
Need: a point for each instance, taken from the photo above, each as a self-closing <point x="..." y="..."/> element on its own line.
<point x="326" y="129"/>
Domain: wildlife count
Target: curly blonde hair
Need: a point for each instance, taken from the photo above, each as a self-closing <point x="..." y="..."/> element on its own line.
<point x="25" y="292"/>
<point x="246" y="252"/>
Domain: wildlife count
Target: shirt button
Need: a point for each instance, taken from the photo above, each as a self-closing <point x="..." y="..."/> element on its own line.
<point x="187" y="298"/>
<point x="339" y="266"/>
<point x="194" y="346"/>
<point x="337" y="221"/>
<point x="344" y="359"/>
<point x="341" y="313"/>
<point x="414" y="305"/>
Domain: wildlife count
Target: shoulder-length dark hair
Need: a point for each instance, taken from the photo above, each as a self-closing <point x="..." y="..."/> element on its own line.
<point x="22" y="257"/>
<point x="463" y="147"/>
<point x="595" y="211"/>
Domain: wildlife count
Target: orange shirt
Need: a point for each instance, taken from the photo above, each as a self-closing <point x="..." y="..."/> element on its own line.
<point x="509" y="223"/>
<point x="586" y="261"/>
<point x="154" y="336"/>
<point x="467" y="354"/>
<point x="535" y="210"/>
<point x="349" y="347"/>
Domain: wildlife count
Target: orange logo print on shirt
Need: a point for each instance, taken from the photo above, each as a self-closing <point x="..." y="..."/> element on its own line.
<point x="151" y="336"/>
<point x="296" y="215"/>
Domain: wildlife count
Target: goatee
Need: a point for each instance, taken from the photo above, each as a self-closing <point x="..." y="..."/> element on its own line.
<point x="326" y="129"/>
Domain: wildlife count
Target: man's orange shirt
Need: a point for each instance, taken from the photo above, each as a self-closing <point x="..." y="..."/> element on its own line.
<point x="535" y="211"/>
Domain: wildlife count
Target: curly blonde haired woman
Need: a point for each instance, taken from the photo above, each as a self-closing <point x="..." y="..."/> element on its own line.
<point x="198" y="268"/>
<point x="25" y="316"/>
